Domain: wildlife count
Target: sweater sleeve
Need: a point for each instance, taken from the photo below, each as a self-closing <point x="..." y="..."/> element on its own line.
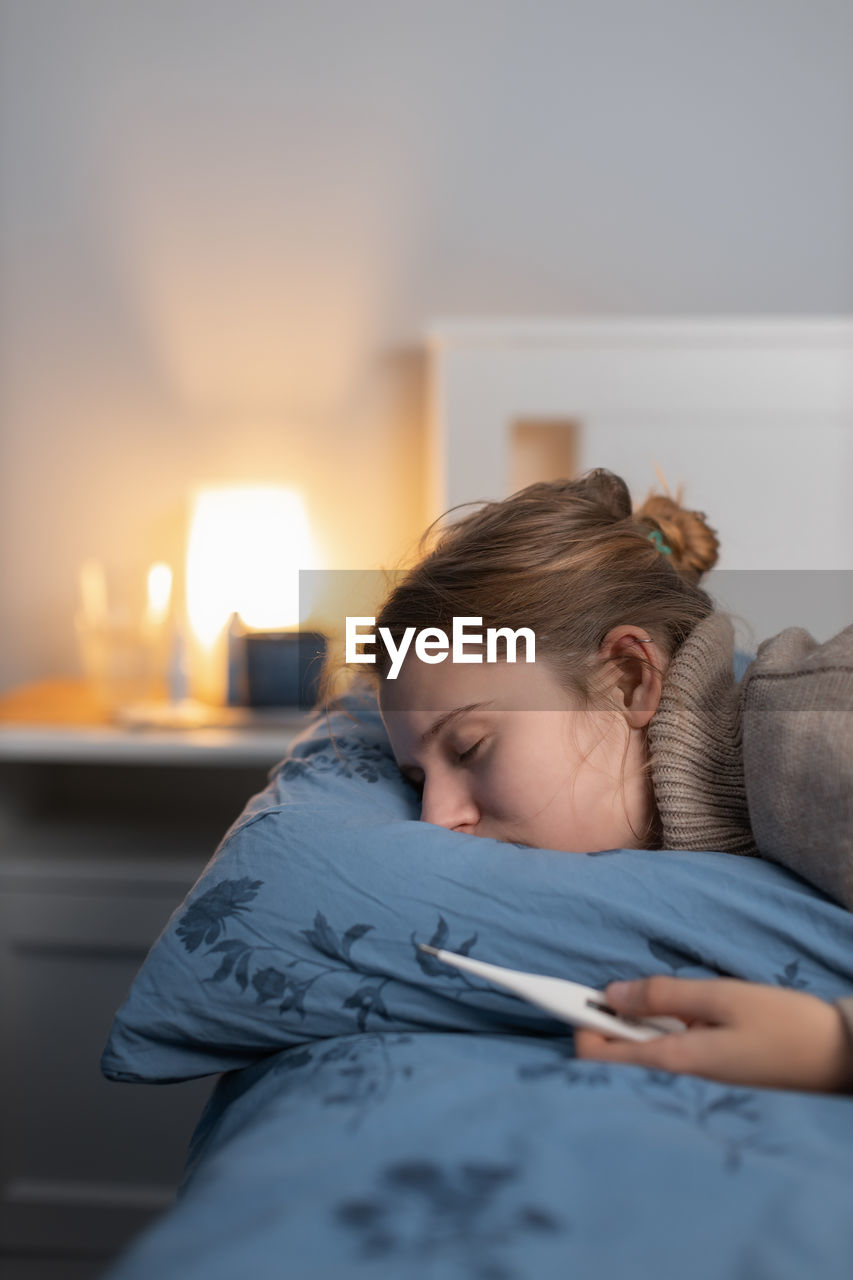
<point x="764" y="768"/>
<point x="796" y="704"/>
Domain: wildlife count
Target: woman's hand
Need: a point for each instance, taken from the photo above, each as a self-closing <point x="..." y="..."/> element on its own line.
<point x="738" y="1032"/>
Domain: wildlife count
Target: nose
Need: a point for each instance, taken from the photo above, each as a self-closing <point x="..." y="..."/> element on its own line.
<point x="447" y="802"/>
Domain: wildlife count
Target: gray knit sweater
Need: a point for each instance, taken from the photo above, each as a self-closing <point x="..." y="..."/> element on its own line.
<point x="763" y="768"/>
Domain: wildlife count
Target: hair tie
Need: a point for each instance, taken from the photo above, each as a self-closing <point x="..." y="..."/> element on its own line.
<point x="657" y="538"/>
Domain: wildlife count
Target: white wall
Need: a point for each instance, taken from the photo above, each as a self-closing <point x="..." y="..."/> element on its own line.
<point x="224" y="228"/>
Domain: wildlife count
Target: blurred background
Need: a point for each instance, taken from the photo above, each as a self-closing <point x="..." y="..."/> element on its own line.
<point x="225" y="230"/>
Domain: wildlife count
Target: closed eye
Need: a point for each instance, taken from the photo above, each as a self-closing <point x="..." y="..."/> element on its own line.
<point x="465" y="756"/>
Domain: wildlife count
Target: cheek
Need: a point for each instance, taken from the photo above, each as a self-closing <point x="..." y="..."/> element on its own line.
<point x="521" y="779"/>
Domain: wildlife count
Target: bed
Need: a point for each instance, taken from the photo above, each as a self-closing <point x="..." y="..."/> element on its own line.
<point x="378" y="1115"/>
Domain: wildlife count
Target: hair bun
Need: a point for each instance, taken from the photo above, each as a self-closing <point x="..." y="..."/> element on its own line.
<point x="610" y="491"/>
<point x="694" y="544"/>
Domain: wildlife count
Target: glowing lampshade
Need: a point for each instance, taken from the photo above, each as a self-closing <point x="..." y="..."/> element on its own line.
<point x="246" y="547"/>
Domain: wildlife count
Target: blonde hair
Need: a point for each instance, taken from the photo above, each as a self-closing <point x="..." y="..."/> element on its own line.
<point x="569" y="559"/>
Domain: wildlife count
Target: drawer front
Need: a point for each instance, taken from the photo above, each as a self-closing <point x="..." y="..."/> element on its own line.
<point x="84" y="1162"/>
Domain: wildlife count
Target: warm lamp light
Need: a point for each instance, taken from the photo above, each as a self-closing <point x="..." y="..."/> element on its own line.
<point x="246" y="547"/>
<point x="245" y="551"/>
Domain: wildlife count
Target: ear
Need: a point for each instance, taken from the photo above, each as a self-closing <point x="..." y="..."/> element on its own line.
<point x="634" y="673"/>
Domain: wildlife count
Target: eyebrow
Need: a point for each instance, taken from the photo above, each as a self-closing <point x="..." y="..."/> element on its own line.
<point x="450" y="716"/>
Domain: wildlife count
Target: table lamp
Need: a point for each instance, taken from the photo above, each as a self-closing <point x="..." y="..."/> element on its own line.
<point x="246" y="549"/>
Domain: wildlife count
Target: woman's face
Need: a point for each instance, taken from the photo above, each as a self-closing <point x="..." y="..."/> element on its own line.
<point x="500" y="750"/>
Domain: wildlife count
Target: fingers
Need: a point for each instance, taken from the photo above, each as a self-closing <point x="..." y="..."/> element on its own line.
<point x="739" y="1033"/>
<point x="592" y="1044"/>
<point x="657" y="1053"/>
<point x="705" y="1000"/>
<point x="704" y="1004"/>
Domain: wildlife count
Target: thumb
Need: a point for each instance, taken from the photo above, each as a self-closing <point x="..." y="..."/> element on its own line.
<point x="686" y="998"/>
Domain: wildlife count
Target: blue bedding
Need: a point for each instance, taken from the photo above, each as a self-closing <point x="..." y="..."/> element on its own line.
<point x="484" y="1157"/>
<point x="379" y="1115"/>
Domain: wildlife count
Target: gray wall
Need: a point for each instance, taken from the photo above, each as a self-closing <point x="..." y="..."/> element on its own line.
<point x="224" y="227"/>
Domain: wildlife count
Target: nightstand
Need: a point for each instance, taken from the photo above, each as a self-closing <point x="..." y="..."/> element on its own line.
<point x="102" y="832"/>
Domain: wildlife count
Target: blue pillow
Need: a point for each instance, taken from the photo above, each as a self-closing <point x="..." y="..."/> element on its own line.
<point x="304" y="924"/>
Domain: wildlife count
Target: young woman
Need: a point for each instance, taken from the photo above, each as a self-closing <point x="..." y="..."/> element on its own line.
<point x="630" y="731"/>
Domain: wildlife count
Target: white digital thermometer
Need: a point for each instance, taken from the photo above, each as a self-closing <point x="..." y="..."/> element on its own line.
<point x="581" y="1006"/>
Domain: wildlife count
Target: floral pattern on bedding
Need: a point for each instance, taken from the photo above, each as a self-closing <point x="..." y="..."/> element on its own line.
<point x="230" y="901"/>
<point x="208" y="916"/>
<point x="422" y="1209"/>
<point x="352" y="756"/>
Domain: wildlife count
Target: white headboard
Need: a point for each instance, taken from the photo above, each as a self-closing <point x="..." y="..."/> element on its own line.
<point x="754" y="416"/>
